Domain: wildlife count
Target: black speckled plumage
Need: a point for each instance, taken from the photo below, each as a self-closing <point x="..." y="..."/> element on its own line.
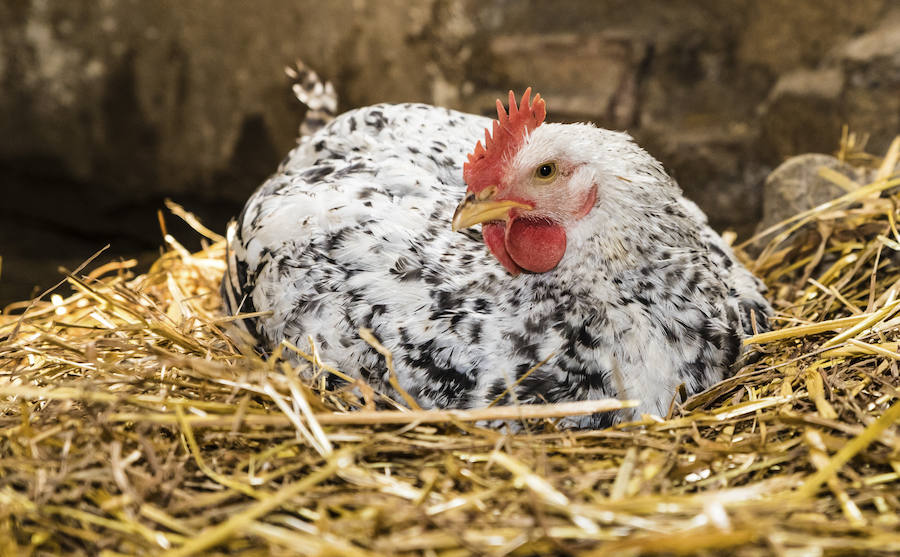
<point x="354" y="230"/>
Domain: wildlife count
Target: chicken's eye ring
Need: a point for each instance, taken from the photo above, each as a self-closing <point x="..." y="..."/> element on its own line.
<point x="546" y="172"/>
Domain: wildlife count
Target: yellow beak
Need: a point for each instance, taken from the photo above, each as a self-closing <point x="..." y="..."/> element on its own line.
<point x="474" y="211"/>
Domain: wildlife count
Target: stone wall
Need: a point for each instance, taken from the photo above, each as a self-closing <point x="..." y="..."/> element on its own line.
<point x="109" y="106"/>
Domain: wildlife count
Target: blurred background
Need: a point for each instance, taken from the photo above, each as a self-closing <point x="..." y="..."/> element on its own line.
<point x="107" y="107"/>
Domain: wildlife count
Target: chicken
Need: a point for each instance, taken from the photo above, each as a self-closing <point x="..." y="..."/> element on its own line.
<point x="589" y="257"/>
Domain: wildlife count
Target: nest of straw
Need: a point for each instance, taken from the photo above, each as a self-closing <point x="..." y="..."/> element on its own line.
<point x="130" y="423"/>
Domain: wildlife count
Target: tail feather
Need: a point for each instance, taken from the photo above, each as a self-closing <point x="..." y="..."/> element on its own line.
<point x="319" y="97"/>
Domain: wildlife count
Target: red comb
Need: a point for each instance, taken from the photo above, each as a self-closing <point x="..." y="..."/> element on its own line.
<point x="483" y="166"/>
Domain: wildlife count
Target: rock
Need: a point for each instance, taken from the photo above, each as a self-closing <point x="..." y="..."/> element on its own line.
<point x="857" y="84"/>
<point x="871" y="65"/>
<point x="796" y="186"/>
<point x="802" y="114"/>
<point x="784" y="35"/>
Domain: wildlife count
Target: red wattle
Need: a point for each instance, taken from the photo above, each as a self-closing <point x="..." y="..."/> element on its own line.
<point x="534" y="245"/>
<point x="494" y="234"/>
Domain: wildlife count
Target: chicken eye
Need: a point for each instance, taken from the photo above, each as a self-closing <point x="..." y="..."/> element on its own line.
<point x="546" y="171"/>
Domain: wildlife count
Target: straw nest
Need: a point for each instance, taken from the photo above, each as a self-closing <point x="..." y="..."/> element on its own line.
<point x="131" y="424"/>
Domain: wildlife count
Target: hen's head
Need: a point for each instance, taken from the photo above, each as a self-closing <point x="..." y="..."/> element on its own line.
<point x="528" y="183"/>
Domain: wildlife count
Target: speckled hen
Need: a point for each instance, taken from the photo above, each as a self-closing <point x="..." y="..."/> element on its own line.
<point x="588" y="256"/>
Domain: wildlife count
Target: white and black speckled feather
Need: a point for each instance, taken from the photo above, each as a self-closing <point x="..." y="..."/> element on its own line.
<point x="354" y="231"/>
<point x="319" y="97"/>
